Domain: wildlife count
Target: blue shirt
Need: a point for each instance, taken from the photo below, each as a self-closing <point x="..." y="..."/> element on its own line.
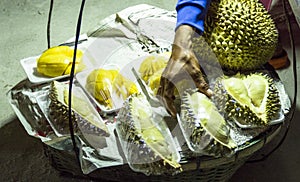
<point x="192" y="12"/>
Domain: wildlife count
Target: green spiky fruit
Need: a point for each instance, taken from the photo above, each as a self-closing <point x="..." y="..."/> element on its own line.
<point x="83" y="118"/>
<point x="206" y="131"/>
<point x="241" y="34"/>
<point x="145" y="144"/>
<point x="250" y="99"/>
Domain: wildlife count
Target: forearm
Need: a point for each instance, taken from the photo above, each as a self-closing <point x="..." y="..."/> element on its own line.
<point x="183" y="36"/>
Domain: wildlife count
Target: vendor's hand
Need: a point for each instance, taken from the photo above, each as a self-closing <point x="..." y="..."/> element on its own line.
<point x="182" y="61"/>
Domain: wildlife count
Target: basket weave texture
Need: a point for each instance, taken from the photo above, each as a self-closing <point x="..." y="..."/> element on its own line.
<point x="194" y="169"/>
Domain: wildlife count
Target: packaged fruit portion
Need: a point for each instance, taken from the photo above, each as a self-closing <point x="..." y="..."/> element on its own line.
<point x="86" y="118"/>
<point x="250" y="99"/>
<point x="146" y="139"/>
<point x="108" y="86"/>
<point x="204" y="128"/>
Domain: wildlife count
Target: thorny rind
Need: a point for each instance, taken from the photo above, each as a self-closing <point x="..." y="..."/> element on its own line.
<point x="207" y="130"/>
<point x="146" y="146"/>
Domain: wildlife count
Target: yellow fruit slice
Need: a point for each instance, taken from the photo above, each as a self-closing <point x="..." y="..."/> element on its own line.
<point x="57" y="61"/>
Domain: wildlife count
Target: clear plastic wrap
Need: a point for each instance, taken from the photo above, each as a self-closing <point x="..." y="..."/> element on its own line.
<point x="145" y="138"/>
<point x="204" y="128"/>
<point x="107" y="87"/>
<point x="251" y="100"/>
<point x="54" y="104"/>
<point x="120" y="49"/>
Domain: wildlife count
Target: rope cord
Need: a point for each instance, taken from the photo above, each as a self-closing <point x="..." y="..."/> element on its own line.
<point x="49" y="22"/>
<point x="75" y="148"/>
<point x="294" y="103"/>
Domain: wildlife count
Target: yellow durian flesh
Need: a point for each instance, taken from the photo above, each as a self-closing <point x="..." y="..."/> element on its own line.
<point x="99" y="84"/>
<point x="207" y="116"/>
<point x="237" y="90"/>
<point x="57" y="61"/>
<point x="205" y="129"/>
<point x="146" y="140"/>
<point x="124" y="87"/>
<point x="253" y="98"/>
<point x="104" y="84"/>
<point x="151" y="64"/>
<point x="154" y="81"/>
<point x="256" y="89"/>
<point x="83" y="108"/>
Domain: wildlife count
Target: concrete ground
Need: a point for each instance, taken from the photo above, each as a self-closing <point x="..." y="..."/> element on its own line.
<point x="23" y="26"/>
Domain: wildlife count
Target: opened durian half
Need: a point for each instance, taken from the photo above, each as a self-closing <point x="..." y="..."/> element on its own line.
<point x="84" y="117"/>
<point x="240" y="33"/>
<point x="145" y="138"/>
<point x="204" y="128"/>
<point x="251" y="99"/>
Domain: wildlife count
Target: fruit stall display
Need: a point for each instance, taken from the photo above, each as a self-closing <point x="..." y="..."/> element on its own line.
<point x="122" y="130"/>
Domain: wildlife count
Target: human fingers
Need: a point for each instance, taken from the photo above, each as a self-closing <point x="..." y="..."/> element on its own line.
<point x="198" y="77"/>
<point x="165" y="94"/>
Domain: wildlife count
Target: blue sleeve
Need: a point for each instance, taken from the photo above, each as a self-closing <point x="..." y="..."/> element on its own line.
<point x="192" y="12"/>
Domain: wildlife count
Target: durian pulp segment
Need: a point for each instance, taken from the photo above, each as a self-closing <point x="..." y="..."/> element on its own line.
<point x="249" y="91"/>
<point x="154" y="81"/>
<point x="151" y="64"/>
<point x="79" y="66"/>
<point x="108" y="84"/>
<point x="104" y="91"/>
<point x="123" y="87"/>
<point x="258" y="87"/>
<point x="99" y="84"/>
<point x="237" y="89"/>
<point x="141" y="113"/>
<point x="207" y="114"/>
<point x="57" y="61"/>
<point x="143" y="119"/>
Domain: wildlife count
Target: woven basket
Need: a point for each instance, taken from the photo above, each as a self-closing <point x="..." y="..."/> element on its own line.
<point x="199" y="168"/>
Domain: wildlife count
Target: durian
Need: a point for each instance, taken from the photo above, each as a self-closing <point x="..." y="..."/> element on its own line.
<point x="241" y="34"/>
<point x="57" y="61"/>
<point x="151" y="64"/>
<point x="251" y="99"/>
<point x="146" y="142"/>
<point x="180" y="86"/>
<point x="204" y="128"/>
<point x="104" y="84"/>
<point x="84" y="119"/>
<point x="154" y="81"/>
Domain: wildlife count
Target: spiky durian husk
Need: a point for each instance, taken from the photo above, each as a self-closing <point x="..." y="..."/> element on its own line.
<point x="141" y="155"/>
<point x="245" y="108"/>
<point x="58" y="114"/>
<point x="205" y="129"/>
<point x="241" y="33"/>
